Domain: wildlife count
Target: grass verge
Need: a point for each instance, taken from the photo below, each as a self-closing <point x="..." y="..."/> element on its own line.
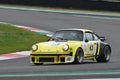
<point x="14" y="39"/>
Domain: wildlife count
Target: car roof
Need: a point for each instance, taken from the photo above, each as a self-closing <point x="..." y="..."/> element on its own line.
<point x="84" y="30"/>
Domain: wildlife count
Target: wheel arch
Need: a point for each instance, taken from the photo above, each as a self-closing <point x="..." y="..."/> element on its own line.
<point x="76" y="60"/>
<point x="75" y="48"/>
<point x="102" y="46"/>
<point x="79" y="47"/>
<point x="101" y="57"/>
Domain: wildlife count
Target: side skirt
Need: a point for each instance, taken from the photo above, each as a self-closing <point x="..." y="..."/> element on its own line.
<point x="89" y="58"/>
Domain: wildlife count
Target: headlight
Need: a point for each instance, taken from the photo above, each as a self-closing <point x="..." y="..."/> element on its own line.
<point x="34" y="47"/>
<point x="65" y="47"/>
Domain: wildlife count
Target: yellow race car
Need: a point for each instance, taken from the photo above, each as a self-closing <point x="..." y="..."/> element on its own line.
<point x="71" y="46"/>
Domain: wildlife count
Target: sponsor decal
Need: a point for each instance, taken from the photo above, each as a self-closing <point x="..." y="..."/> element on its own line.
<point x="56" y="43"/>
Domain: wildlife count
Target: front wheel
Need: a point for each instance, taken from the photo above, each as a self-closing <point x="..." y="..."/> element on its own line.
<point x="105" y="55"/>
<point x="79" y="56"/>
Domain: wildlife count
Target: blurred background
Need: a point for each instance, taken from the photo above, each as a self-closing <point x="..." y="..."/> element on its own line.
<point x="107" y="5"/>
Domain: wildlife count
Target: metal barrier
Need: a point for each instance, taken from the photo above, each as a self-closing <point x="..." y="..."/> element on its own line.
<point x="78" y="4"/>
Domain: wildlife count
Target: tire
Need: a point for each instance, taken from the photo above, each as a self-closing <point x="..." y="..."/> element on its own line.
<point x="79" y="56"/>
<point x="105" y="55"/>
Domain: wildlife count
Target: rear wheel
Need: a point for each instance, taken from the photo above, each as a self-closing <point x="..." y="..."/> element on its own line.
<point x="79" y="56"/>
<point x="105" y="55"/>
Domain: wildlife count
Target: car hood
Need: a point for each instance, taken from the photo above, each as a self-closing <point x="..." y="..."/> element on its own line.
<point x="54" y="46"/>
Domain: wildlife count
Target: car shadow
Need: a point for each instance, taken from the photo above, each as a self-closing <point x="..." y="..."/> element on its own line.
<point x="83" y="63"/>
<point x="66" y="64"/>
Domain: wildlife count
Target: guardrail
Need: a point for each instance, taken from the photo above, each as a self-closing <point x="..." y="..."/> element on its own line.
<point x="78" y="4"/>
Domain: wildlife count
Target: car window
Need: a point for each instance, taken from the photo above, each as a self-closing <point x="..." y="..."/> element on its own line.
<point x="89" y="36"/>
<point x="58" y="35"/>
<point x="69" y="35"/>
<point x="95" y="37"/>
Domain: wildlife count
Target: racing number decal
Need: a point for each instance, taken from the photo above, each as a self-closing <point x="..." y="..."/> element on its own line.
<point x="91" y="49"/>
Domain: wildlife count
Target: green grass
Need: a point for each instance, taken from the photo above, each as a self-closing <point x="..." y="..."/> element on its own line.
<point x="14" y="39"/>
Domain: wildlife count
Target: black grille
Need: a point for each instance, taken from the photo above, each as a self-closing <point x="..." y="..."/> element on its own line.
<point x="46" y="59"/>
<point x="33" y="59"/>
<point x="62" y="59"/>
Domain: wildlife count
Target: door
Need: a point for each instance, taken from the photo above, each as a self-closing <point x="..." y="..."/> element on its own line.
<point x="91" y="44"/>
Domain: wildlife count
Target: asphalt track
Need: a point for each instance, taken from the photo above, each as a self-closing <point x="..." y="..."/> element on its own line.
<point x="109" y="27"/>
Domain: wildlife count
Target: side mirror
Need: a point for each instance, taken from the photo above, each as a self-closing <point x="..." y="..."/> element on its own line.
<point x="86" y="40"/>
<point x="102" y="38"/>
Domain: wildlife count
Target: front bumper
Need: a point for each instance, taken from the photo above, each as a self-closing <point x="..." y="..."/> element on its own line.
<point x="51" y="58"/>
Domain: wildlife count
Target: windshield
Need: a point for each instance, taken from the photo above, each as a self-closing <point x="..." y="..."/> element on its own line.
<point x="68" y="35"/>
